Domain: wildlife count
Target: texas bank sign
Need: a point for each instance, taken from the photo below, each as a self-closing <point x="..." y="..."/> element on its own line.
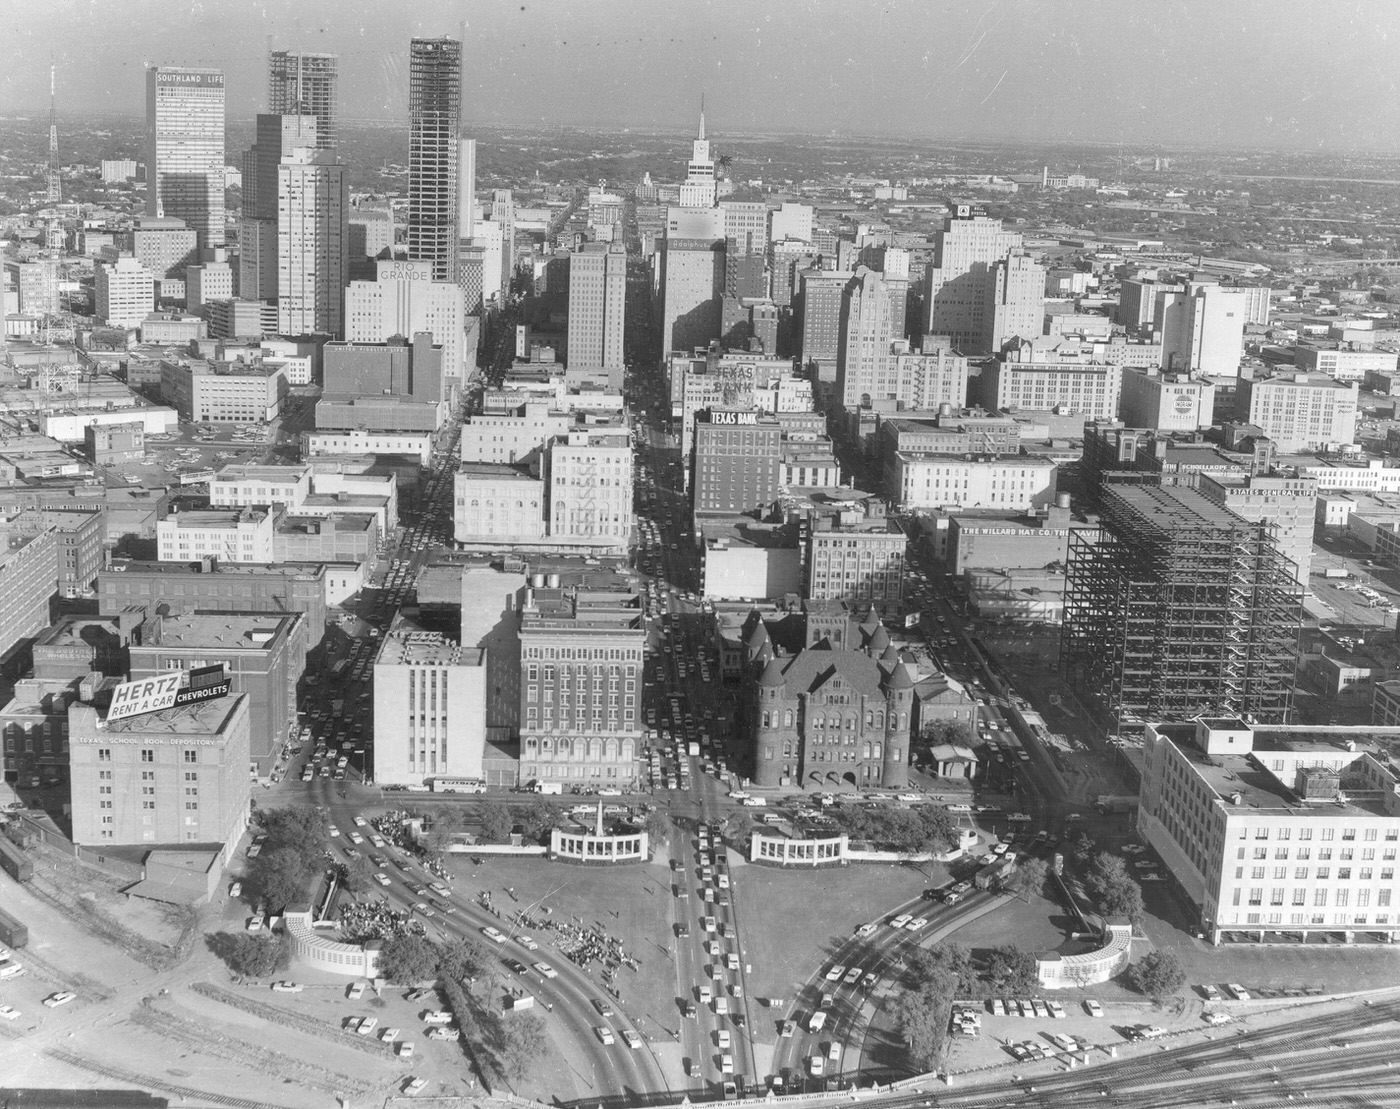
<point x="166" y="691"/>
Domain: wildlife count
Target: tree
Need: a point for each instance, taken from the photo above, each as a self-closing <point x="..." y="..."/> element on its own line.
<point x="921" y="1015"/>
<point x="408" y="959"/>
<point x="1159" y="974"/>
<point x="1012" y="970"/>
<point x="496" y="823"/>
<point x="1113" y="889"/>
<point x="283" y="876"/>
<point x="358" y="875"/>
<point x="252" y="956"/>
<point x="1080" y="849"/>
<point x="297" y="826"/>
<point x="523" y="1041"/>
<point x="657" y="826"/>
<point x="946" y="731"/>
<point x="932" y="964"/>
<point x="1029" y="877"/>
<point x="464" y="958"/>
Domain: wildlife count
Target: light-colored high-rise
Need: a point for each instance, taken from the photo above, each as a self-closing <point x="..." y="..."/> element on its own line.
<point x="700" y="186"/>
<point x="597" y="305"/>
<point x="864" y="364"/>
<point x="303" y="83"/>
<point x="434" y="159"/>
<point x="957" y="287"/>
<point x="185" y="148"/>
<point x="1017" y="292"/>
<point x="125" y="292"/>
<point x="1202" y="328"/>
<point x="466" y="185"/>
<point x="590" y="486"/>
<point x="405" y="300"/>
<point x="692" y="285"/>
<point x="313" y="201"/>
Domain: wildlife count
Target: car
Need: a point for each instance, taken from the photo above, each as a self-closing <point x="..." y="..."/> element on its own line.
<point x="1093" y="1008"/>
<point x="360" y="822"/>
<point x="63" y="997"/>
<point x="287" y="987"/>
<point x="405" y="1050"/>
<point x="1211" y="993"/>
<point x="916" y="924"/>
<point x="604" y="1009"/>
<point x="704" y="993"/>
<point x="726" y="1063"/>
<point x="1217" y="1018"/>
<point x="235" y="888"/>
<point x="448" y="1033"/>
<point x="255" y="922"/>
<point x="901" y="920"/>
<point x="709" y="923"/>
<point x="817" y="1021"/>
<point x="435" y="1016"/>
<point x="495" y="935"/>
<point x="367" y="1025"/>
<point x="867" y="929"/>
<point x="836" y="973"/>
<point x="1057" y="1011"/>
<point x="413" y="1085"/>
<point x="547" y="970"/>
<point x="355" y="991"/>
<point x="388" y="1035"/>
<point x="527" y="942"/>
<point x="817" y="1065"/>
<point x="786" y="1028"/>
<point x="731" y="1091"/>
<point x="422" y="908"/>
<point x="853" y="976"/>
<point x="382" y="878"/>
<point x="689" y="1010"/>
<point x="605" y="1035"/>
<point x="833" y="1051"/>
<point x="9" y="1012"/>
<point x="633" y="1040"/>
<point x="1238" y="992"/>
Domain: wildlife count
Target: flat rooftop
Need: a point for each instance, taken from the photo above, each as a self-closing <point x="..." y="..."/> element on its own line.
<point x="214" y="517"/>
<point x="494" y="471"/>
<point x="228" y="630"/>
<point x="409" y="644"/>
<point x="239" y="471"/>
<point x="1173" y="507"/>
<point x="133" y="566"/>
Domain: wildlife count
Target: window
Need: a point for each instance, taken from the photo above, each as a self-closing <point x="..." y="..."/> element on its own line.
<point x="104" y="754"/>
<point x="191" y="756"/>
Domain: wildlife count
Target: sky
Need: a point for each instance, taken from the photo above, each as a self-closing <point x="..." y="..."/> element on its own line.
<point x="1297" y="74"/>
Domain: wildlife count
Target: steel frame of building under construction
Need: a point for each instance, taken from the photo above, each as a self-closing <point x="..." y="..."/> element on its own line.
<point x="1176" y="608"/>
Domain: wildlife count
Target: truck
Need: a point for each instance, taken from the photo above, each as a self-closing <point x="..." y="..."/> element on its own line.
<point x="14" y="933"/>
<point x="1336" y="572"/>
<point x="15" y="862"/>
<point x="549" y="787"/>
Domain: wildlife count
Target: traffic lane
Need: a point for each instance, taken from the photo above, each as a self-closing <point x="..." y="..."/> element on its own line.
<point x="467" y="922"/>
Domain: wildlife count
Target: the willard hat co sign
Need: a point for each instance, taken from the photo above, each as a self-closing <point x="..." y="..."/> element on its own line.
<point x="165" y="691"/>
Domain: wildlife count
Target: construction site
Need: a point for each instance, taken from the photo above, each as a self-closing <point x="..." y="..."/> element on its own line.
<point x="1177" y="607"/>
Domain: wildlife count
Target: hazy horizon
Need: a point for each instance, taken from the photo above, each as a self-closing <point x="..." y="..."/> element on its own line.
<point x="1288" y="74"/>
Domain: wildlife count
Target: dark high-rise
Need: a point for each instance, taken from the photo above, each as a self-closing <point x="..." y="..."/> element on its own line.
<point x="434" y="127"/>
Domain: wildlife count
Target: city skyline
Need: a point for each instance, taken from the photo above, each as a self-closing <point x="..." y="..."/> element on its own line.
<point x="1238" y="74"/>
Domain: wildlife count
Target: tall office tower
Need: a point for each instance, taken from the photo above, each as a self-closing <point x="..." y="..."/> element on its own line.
<point x="124" y="292"/>
<point x="746" y="225"/>
<point x="1178" y="608"/>
<point x="700" y="187"/>
<point x="1202" y="328"/>
<point x="791" y="221"/>
<point x="403" y="299"/>
<point x="185" y="149"/>
<point x="434" y="159"/>
<point x="864" y="362"/>
<point x="466" y="185"/>
<point x="1016" y="296"/>
<point x="823" y="292"/>
<point x="313" y="201"/>
<point x="692" y="287"/>
<point x="956" y="286"/>
<point x="597" y="306"/>
<point x="276" y="137"/>
<point x="503" y="214"/>
<point x="305" y="84"/>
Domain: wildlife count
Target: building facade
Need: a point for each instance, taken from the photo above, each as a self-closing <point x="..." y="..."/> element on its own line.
<point x="1299" y="412"/>
<point x="429" y="708"/>
<point x="313" y="202"/>
<point x="590" y="487"/>
<point x="434" y="133"/>
<point x="174" y="777"/>
<point x="185" y="148"/>
<point x="738" y="463"/>
<point x="1274" y="840"/>
<point x="581" y="653"/>
<point x="303" y="83"/>
<point x="231" y="535"/>
<point x="597" y="307"/>
<point x="946" y="481"/>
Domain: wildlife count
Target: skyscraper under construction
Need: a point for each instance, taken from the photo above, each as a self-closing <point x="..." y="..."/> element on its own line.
<point x="300" y="83"/>
<point x="1178" y="607"/>
<point x="434" y="126"/>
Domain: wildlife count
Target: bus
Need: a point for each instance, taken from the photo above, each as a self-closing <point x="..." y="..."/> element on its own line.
<point x="459" y="785"/>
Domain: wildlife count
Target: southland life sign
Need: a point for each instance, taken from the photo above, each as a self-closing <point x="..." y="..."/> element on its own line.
<point x="167" y="691"/>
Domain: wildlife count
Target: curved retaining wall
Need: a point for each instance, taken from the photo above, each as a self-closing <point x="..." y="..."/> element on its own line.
<point x="1060" y="972"/>
<point x="324" y="953"/>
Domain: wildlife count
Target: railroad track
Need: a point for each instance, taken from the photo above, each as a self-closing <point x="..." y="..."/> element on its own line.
<point x="187" y="1093"/>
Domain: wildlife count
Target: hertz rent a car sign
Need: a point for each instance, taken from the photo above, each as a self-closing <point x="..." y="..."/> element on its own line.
<point x="166" y="691"/>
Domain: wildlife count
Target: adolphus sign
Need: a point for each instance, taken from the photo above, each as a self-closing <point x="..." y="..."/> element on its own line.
<point x="166" y="691"/>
